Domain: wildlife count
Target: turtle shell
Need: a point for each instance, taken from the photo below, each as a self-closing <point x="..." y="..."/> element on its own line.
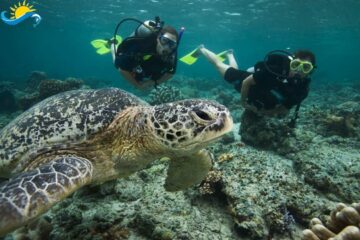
<point x="69" y="117"/>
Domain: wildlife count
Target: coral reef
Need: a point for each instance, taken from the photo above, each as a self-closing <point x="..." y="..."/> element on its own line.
<point x="47" y="88"/>
<point x="269" y="188"/>
<point x="164" y="94"/>
<point x="265" y="195"/>
<point x="51" y="87"/>
<point x="211" y="183"/>
<point x="341" y="120"/>
<point x="342" y="224"/>
<point x="269" y="133"/>
<point x="5" y="118"/>
<point x="14" y="98"/>
<point x="28" y="100"/>
<point x="7" y="97"/>
<point x="34" y="80"/>
<point x="225" y="157"/>
<point x="139" y="208"/>
<point x="37" y="230"/>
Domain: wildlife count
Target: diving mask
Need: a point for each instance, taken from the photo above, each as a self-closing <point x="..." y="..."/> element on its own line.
<point x="300" y="65"/>
<point x="166" y="41"/>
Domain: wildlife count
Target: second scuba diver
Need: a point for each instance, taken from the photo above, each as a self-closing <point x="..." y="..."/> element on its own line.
<point x="149" y="56"/>
<point x="273" y="86"/>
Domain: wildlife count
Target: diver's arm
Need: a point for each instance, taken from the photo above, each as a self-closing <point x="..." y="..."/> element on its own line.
<point x="130" y="78"/>
<point x="278" y="110"/>
<point x="164" y="78"/>
<point x="246" y="84"/>
<point x="151" y="83"/>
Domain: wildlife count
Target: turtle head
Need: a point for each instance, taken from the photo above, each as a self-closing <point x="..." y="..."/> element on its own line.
<point x="190" y="124"/>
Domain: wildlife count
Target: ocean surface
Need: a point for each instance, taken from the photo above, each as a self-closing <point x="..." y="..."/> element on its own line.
<point x="60" y="44"/>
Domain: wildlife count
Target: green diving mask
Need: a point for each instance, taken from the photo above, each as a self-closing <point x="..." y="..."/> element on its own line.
<point x="165" y="41"/>
<point x="299" y="65"/>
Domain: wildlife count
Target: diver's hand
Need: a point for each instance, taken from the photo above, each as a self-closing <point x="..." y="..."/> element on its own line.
<point x="249" y="107"/>
<point x="278" y="111"/>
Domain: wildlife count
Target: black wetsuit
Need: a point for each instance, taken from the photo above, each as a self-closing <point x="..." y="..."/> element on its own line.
<point x="138" y="56"/>
<point x="270" y="89"/>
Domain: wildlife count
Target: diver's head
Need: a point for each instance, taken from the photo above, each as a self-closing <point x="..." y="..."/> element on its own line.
<point x="303" y="64"/>
<point x="167" y="40"/>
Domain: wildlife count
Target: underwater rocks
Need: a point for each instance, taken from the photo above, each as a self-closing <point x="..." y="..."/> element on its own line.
<point x="34" y="80"/>
<point x="46" y="88"/>
<point x="338" y="120"/>
<point x="139" y="208"/>
<point x="36" y="230"/>
<point x="333" y="171"/>
<point x="164" y="94"/>
<point x="7" y="97"/>
<point x="270" y="133"/>
<point x="49" y="87"/>
<point x="38" y="88"/>
<point x="266" y="198"/>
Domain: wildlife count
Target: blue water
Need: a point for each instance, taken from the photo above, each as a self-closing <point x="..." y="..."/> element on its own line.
<point x="60" y="44"/>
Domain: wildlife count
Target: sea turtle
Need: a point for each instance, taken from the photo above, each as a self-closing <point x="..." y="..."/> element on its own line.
<point x="85" y="137"/>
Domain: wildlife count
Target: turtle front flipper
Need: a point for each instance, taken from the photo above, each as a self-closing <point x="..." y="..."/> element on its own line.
<point x="26" y="196"/>
<point x="187" y="171"/>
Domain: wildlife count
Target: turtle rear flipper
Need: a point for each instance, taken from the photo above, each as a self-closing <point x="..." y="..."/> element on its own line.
<point x="185" y="172"/>
<point x="26" y="196"/>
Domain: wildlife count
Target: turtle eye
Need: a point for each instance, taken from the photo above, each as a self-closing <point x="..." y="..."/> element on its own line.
<point x="202" y="115"/>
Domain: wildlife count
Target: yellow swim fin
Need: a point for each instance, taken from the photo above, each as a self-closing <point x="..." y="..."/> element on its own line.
<point x="98" y="43"/>
<point x="103" y="50"/>
<point x="222" y="56"/>
<point x="191" y="57"/>
<point x="102" y="46"/>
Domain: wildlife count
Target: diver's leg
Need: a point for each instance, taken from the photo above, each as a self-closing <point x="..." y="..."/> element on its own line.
<point x="231" y="59"/>
<point x="213" y="59"/>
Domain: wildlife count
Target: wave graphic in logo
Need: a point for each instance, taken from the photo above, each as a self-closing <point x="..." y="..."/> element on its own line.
<point x="19" y="13"/>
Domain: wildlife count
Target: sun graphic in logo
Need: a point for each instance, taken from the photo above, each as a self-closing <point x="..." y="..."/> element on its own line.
<point x="20" y="9"/>
<point x="19" y="13"/>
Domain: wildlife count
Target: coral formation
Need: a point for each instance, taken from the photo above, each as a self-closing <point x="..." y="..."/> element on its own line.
<point x="341" y="120"/>
<point x="250" y="193"/>
<point x="225" y="157"/>
<point x="37" y="230"/>
<point x="46" y="88"/>
<point x="268" y="133"/>
<point x="266" y="197"/>
<point x="34" y="80"/>
<point x="164" y="94"/>
<point x="7" y="97"/>
<point x="28" y="100"/>
<point x="211" y="183"/>
<point x="51" y="87"/>
<point x="342" y="224"/>
<point x="341" y="125"/>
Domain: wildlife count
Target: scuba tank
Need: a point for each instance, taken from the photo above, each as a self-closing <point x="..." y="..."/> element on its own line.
<point x="145" y="29"/>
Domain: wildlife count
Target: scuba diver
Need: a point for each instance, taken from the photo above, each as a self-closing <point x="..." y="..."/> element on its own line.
<point x="148" y="56"/>
<point x="273" y="86"/>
